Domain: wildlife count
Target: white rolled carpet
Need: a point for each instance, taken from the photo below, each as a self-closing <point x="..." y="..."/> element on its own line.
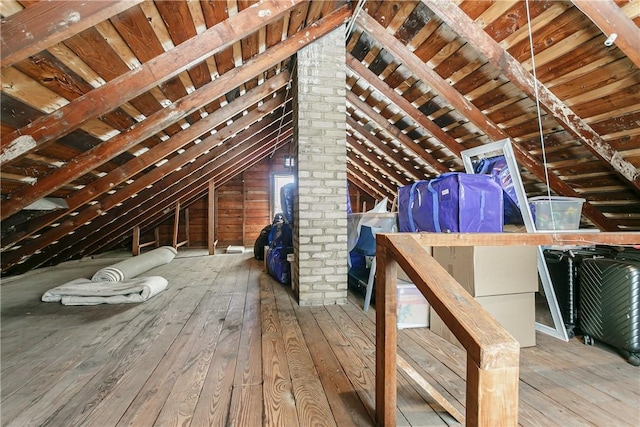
<point x="89" y="292"/>
<point x="132" y="267"/>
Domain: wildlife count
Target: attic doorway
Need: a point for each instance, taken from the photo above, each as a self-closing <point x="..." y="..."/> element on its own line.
<point x="279" y="181"/>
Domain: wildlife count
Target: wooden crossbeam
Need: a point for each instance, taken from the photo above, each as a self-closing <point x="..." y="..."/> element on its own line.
<point x="477" y="117"/>
<point x="460" y="22"/>
<point x="49" y="23"/>
<point x="221" y="158"/>
<point x="168" y="65"/>
<point x="102" y="185"/>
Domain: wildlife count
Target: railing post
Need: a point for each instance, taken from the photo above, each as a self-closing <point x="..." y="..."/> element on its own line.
<point x="386" y="336"/>
<point x="489" y="387"/>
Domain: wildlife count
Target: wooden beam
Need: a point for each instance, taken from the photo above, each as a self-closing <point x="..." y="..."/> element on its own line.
<point x="151" y="207"/>
<point x="395" y="133"/>
<point x="46" y="23"/>
<point x="386" y="183"/>
<point x="521" y="78"/>
<point x="365" y="186"/>
<point x="360" y="150"/>
<point x="102" y="185"/>
<point x="406" y="166"/>
<point x="219" y="156"/>
<point x="176" y="222"/>
<point x="135" y="247"/>
<point x="186" y="227"/>
<point x="402" y="103"/>
<point x="386" y="336"/>
<point x="370" y="182"/>
<point x="163" y="67"/>
<point x="91" y="159"/>
<point x="211" y="215"/>
<point x="88" y="214"/>
<point x="611" y="19"/>
<point x="460" y="103"/>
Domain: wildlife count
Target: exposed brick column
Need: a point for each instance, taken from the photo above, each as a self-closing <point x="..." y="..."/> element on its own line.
<point x="319" y="275"/>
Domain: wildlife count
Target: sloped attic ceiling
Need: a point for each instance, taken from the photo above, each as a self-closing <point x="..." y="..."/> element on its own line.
<point x="123" y="108"/>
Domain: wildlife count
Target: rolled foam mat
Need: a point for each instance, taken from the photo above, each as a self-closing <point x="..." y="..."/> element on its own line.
<point x="134" y="266"/>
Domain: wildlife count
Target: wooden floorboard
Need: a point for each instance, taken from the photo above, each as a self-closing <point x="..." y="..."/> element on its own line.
<point x="226" y="345"/>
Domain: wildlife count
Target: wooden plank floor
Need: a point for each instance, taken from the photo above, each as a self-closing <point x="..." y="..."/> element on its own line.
<point x="225" y="345"/>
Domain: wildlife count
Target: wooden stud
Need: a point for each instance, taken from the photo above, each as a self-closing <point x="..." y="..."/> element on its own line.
<point x="211" y="218"/>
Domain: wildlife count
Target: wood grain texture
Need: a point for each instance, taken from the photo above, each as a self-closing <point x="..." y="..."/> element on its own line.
<point x="194" y="353"/>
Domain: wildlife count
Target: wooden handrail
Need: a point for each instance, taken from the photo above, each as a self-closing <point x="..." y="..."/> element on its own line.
<point x="492" y="353"/>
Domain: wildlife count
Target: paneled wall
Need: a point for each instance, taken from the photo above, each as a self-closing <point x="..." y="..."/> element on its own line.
<point x="243" y="207"/>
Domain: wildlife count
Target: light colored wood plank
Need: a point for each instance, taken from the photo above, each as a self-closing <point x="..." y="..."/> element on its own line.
<point x="92" y="376"/>
<point x="311" y="401"/>
<point x="246" y="399"/>
<point x="279" y="402"/>
<point x="346" y="407"/>
<point x="213" y="404"/>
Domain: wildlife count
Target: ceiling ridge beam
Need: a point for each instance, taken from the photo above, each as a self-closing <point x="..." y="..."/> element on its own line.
<point x="44" y="24"/>
<point x="157" y="153"/>
<point x="475" y="116"/>
<point x="525" y="81"/>
<point x="109" y="96"/>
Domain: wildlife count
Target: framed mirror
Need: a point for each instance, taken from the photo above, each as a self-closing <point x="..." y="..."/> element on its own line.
<point x="548" y="316"/>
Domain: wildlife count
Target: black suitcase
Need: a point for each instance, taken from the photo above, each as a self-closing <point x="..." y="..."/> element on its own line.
<point x="610" y="304"/>
<point x="563" y="271"/>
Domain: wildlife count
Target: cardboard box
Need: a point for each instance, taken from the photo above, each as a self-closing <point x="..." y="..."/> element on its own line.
<point x="491" y="270"/>
<point x="515" y="312"/>
<point x="413" y="308"/>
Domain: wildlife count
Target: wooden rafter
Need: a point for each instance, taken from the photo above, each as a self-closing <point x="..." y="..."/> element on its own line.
<point x="520" y="77"/>
<point x="88" y="160"/>
<point x="157" y="198"/>
<point x="395" y="133"/>
<point x="155" y="208"/>
<point x="157" y="153"/>
<point x="405" y="165"/>
<point x="365" y="182"/>
<point x="459" y="102"/>
<point x="49" y="23"/>
<point x="363" y="187"/>
<point x="165" y="172"/>
<point x="370" y="170"/>
<point x="362" y="151"/>
<point x="382" y="87"/>
<point x="611" y="19"/>
<point x="108" y="96"/>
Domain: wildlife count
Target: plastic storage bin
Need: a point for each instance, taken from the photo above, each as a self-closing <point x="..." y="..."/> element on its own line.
<point x="556" y="212"/>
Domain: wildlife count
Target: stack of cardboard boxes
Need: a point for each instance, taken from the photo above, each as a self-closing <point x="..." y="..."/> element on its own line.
<point x="503" y="279"/>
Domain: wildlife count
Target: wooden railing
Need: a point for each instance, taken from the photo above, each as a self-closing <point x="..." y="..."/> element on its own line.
<point x="492" y="353"/>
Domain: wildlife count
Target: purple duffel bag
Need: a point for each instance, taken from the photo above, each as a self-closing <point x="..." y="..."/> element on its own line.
<point x="453" y="202"/>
